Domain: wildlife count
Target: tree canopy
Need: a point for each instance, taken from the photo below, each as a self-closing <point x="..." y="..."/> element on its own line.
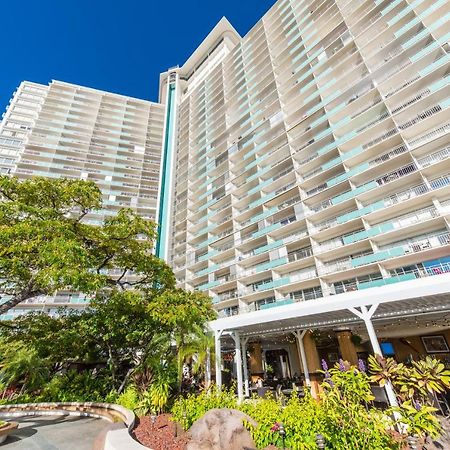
<point x="48" y="245"/>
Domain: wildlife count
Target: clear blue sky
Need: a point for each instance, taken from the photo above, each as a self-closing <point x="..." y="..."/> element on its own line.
<point x="117" y="46"/>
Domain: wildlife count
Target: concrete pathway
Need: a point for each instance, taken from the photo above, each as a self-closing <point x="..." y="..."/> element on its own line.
<point x="55" y="433"/>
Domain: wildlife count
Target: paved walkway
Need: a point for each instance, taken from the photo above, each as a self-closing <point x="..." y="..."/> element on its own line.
<point x="55" y="433"/>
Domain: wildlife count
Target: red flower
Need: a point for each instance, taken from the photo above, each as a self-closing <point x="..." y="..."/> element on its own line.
<point x="276" y="427"/>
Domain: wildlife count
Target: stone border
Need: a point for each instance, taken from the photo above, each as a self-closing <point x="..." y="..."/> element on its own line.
<point x="117" y="437"/>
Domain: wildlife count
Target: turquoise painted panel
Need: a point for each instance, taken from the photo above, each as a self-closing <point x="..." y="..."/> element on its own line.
<point x="356" y="170"/>
<point x="207" y="270"/>
<point x="258" y="174"/>
<point x="386" y="281"/>
<point x="367" y="233"/>
<point x="207" y="204"/>
<point x="440" y="84"/>
<point x="260" y="186"/>
<point x="271" y="264"/>
<point x="327" y="148"/>
<point x="434" y="65"/>
<point x="266" y="230"/>
<point x="352" y="152"/>
<point x="264" y="215"/>
<point x="446" y="103"/>
<point x="388" y="8"/>
<point x="379" y="256"/>
<point x="266" y="248"/>
<point x="353" y="193"/>
<point x="208" y="255"/>
<point x="210" y="285"/>
<point x="164" y="203"/>
<point x="360" y="212"/>
<point x="286" y="301"/>
<point x="331" y="163"/>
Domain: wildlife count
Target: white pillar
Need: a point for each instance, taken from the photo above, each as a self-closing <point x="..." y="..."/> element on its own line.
<point x="217" y="335"/>
<point x="366" y="314"/>
<point x="377" y="350"/>
<point x="238" y="357"/>
<point x="244" y="361"/>
<point x="208" y="368"/>
<point x="301" y="353"/>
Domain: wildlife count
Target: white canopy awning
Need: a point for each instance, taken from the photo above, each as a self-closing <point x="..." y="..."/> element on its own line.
<point x="421" y="296"/>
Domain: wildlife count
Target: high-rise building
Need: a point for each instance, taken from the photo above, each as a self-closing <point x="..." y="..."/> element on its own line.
<point x="64" y="130"/>
<point x="305" y="173"/>
<point x="311" y="155"/>
<point x="312" y="160"/>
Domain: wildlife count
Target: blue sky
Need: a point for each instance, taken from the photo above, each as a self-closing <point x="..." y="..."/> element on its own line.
<point x="117" y="46"/>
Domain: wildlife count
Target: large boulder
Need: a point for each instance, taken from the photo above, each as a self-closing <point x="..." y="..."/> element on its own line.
<point x="221" y="429"/>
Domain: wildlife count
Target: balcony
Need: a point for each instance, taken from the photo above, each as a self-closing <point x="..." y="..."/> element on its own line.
<point x="300" y="254"/>
<point x="434" y="158"/>
<point x="420" y="117"/>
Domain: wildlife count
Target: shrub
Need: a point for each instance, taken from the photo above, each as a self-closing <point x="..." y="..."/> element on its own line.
<point x="77" y="387"/>
<point x="301" y="419"/>
<point x="187" y="410"/>
<point x="128" y="398"/>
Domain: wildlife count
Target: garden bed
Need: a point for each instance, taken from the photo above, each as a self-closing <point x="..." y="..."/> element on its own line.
<point x="163" y="434"/>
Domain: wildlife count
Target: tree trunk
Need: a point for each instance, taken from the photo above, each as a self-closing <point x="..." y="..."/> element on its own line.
<point x="24" y="295"/>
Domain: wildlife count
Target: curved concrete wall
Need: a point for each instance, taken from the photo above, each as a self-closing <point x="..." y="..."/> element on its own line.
<point x="118" y="438"/>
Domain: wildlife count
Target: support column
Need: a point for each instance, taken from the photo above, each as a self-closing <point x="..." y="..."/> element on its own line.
<point x="312" y="355"/>
<point x="346" y="346"/>
<point x="256" y="364"/>
<point x="302" y="355"/>
<point x="217" y="336"/>
<point x="366" y="315"/>
<point x="208" y="368"/>
<point x="244" y="342"/>
<point x="238" y="358"/>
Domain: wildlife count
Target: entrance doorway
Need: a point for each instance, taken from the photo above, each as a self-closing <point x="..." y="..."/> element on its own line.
<point x="278" y="364"/>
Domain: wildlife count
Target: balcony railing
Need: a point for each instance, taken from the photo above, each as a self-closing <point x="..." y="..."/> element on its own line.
<point x="434" y="157"/>
<point x="300" y="254"/>
<point x="394" y="175"/>
<point x="421" y="116"/>
<point x="430" y="135"/>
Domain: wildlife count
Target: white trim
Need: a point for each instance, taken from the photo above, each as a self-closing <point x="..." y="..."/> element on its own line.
<point x="422" y="287"/>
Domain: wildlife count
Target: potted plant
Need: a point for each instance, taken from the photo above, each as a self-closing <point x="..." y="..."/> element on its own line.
<point x="6" y="428"/>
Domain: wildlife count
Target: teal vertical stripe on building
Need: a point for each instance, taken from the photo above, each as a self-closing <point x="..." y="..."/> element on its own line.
<point x="164" y="206"/>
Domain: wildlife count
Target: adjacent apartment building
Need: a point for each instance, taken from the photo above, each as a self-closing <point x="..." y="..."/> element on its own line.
<point x="304" y="168"/>
<point x="64" y="130"/>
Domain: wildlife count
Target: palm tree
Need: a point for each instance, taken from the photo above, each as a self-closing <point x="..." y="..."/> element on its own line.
<point x="199" y="350"/>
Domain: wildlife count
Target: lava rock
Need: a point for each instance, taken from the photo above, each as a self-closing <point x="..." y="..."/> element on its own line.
<point x="221" y="429"/>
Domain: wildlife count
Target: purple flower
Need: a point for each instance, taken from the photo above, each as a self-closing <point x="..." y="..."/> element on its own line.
<point x="341" y="365"/>
<point x="361" y="366"/>
<point x="417" y="405"/>
<point x="276" y="427"/>
<point x="324" y="365"/>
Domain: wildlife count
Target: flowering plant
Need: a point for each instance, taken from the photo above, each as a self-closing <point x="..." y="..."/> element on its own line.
<point x="275" y="427"/>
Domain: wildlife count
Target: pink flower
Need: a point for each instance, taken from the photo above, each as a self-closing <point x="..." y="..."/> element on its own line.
<point x="276" y="427"/>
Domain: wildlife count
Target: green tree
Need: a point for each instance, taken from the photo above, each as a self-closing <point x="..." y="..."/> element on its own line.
<point x="47" y="245"/>
<point x="131" y="332"/>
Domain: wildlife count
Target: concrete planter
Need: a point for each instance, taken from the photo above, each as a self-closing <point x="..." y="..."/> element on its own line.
<point x="117" y="438"/>
<point x="7" y="429"/>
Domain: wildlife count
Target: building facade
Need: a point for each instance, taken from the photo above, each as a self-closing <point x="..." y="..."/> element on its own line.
<point x="68" y="131"/>
<point x="311" y="157"/>
<point x="312" y="164"/>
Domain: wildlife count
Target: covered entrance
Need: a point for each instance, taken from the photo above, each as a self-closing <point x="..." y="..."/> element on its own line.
<point x="350" y="326"/>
